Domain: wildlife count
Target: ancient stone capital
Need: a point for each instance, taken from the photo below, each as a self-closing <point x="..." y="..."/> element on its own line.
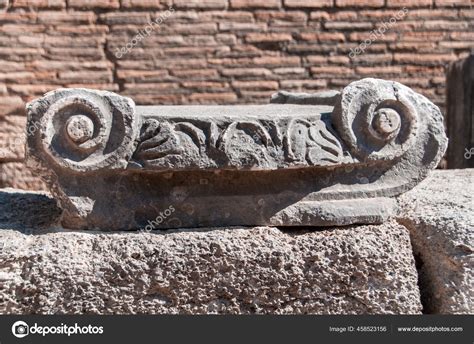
<point x="116" y="166"/>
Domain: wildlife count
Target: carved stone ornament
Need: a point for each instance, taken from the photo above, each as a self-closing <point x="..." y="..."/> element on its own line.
<point x="116" y="166"/>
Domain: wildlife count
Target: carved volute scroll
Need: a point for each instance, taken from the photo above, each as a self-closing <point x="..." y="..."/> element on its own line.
<point x="376" y="119"/>
<point x="84" y="130"/>
<point x="113" y="165"/>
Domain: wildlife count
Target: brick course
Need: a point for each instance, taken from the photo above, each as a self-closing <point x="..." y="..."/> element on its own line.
<point x="219" y="51"/>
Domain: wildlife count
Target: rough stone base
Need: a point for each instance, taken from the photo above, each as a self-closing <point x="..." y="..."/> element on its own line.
<point x="440" y="216"/>
<point x="360" y="269"/>
<point x="353" y="270"/>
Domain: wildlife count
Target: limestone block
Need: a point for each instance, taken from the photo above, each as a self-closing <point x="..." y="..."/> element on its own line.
<point x="440" y="215"/>
<point x="354" y="270"/>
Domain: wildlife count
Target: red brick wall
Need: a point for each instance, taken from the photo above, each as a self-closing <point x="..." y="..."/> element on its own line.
<point x="216" y="51"/>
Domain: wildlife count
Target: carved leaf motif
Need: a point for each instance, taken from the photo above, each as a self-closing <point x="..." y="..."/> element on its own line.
<point x="247" y="144"/>
<point x="161" y="140"/>
<point x="312" y="143"/>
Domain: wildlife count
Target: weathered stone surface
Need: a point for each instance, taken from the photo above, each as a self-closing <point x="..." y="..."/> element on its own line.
<point x="366" y="269"/>
<point x="440" y="215"/>
<point x="27" y="210"/>
<point x="319" y="98"/>
<point x="276" y="164"/>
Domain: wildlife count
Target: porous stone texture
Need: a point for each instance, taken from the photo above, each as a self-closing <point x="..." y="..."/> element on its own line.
<point x="45" y="269"/>
<point x="353" y="270"/>
<point x="440" y="216"/>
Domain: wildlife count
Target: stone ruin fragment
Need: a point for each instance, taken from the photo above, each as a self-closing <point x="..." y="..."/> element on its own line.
<point x="302" y="160"/>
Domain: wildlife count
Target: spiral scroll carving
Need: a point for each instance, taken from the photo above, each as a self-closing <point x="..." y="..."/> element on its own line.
<point x="376" y="119"/>
<point x="85" y="130"/>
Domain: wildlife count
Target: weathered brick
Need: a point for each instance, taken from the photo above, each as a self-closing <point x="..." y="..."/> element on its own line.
<point x="460" y="36"/>
<point x="200" y="4"/>
<point x="237" y="26"/>
<point x="382" y="70"/>
<point x="362" y="36"/>
<point x="289" y="70"/>
<point x="272" y="61"/>
<point x="213" y="98"/>
<point x="66" y="54"/>
<point x="17" y="76"/>
<point x="348" y="25"/>
<point x="453" y="3"/>
<point x="317" y="59"/>
<point x="467" y="45"/>
<point x="81" y="29"/>
<point x="223" y="38"/>
<point x="310" y="48"/>
<point x="423" y="70"/>
<point x="120" y="18"/>
<point x="268" y="37"/>
<point x="105" y="87"/>
<point x="424" y="59"/>
<point x="141" y="4"/>
<point x="39" y="3"/>
<point x="373" y="59"/>
<point x="255" y="4"/>
<point x="323" y="36"/>
<point x="92" y="4"/>
<point x="343" y="60"/>
<point x="308" y="3"/>
<point x="443" y="13"/>
<point x="434" y="36"/>
<point x="446" y="25"/>
<point x="15" y="175"/>
<point x="257" y="96"/>
<point x="142" y="75"/>
<point x="303" y="84"/>
<point x="466" y="13"/>
<point x="11" y="105"/>
<point x="31" y="90"/>
<point x="325" y="71"/>
<point x="221" y="16"/>
<point x="70" y="17"/>
<point x="162" y="87"/>
<point x="413" y="46"/>
<point x="256" y="85"/>
<point x="192" y="29"/>
<point x="13" y="137"/>
<point x="319" y="15"/>
<point x="359" y="3"/>
<point x="409" y="3"/>
<point x="84" y="77"/>
<point x="239" y="72"/>
<point x="278" y="16"/>
<point x="193" y="74"/>
<point x="196" y="51"/>
<point x="18" y="17"/>
<point x="214" y="86"/>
